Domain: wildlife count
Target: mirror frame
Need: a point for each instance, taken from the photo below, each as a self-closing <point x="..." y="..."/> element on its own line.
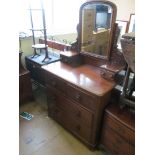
<point x="113" y="20"/>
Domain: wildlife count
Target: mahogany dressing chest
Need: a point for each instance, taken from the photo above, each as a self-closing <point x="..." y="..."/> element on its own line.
<point x="76" y="98"/>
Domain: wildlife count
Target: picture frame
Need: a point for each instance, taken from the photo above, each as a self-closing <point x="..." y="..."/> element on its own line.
<point x="122" y="24"/>
<point x="131" y="25"/>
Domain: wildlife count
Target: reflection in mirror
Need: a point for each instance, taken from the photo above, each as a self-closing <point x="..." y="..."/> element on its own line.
<point x="97" y="20"/>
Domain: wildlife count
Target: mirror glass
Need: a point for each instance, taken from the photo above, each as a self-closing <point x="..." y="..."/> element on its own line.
<point x="96" y="24"/>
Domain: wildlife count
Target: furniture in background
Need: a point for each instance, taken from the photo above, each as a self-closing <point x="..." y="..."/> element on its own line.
<point x="35" y="70"/>
<point x="118" y="126"/>
<point x="25" y="86"/>
<point x="128" y="50"/>
<point x="34" y="62"/>
<point x="34" y="29"/>
<point x="118" y="130"/>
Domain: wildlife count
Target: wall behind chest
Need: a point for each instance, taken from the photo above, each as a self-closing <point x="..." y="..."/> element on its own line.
<point x="124" y="8"/>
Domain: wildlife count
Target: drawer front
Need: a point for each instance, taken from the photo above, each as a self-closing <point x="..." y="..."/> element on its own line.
<point x="68" y="121"/>
<point x="83" y="98"/>
<point x="53" y="82"/>
<point x="121" y="129"/>
<point x="36" y="72"/>
<point x="82" y="115"/>
<point x="116" y="144"/>
<point x="88" y="101"/>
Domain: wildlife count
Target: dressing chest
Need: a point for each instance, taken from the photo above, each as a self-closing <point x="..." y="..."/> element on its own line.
<point x="76" y="99"/>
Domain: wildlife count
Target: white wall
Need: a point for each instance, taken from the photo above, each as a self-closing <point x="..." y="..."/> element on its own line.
<point x="124" y="8"/>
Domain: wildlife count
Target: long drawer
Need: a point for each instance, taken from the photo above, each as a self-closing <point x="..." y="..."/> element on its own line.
<point x="115" y="143"/>
<point x="120" y="128"/>
<point x="87" y="100"/>
<point x="77" y="112"/>
<point x="71" y="123"/>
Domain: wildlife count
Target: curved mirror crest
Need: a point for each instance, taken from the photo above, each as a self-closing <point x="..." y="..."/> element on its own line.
<point x="96" y="25"/>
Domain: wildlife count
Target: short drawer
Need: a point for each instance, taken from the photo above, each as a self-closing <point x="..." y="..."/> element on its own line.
<point x="66" y="119"/>
<point x="83" y="98"/>
<point x="120" y="128"/>
<point x="54" y="82"/>
<point x="76" y="111"/>
<point x="116" y="144"/>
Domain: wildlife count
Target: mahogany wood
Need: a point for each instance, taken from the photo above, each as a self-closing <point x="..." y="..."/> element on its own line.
<point x="25" y="86"/>
<point x="36" y="71"/>
<point x="76" y="98"/>
<point x="55" y="45"/>
<point x="118" y="131"/>
<point x="71" y="57"/>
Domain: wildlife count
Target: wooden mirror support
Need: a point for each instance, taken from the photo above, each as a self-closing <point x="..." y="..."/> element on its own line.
<point x="111" y="63"/>
<point x="116" y="63"/>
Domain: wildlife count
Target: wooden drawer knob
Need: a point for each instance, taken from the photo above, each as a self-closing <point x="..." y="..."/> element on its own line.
<point x="53" y="83"/>
<point x="33" y="66"/>
<point x="78" y="96"/>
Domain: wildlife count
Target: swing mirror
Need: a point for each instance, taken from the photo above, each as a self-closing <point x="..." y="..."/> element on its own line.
<point x="96" y="25"/>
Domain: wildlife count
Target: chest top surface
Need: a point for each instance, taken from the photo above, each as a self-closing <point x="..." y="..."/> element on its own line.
<point x="85" y="76"/>
<point x="122" y="115"/>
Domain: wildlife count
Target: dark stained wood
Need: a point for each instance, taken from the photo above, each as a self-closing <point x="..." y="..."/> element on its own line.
<point x="117" y="63"/>
<point x="76" y="99"/>
<point x="36" y="72"/>
<point x="54" y="44"/>
<point x="118" y="130"/>
<point x="95" y="61"/>
<point x="71" y="57"/>
<point x="21" y="68"/>
<point x="109" y="68"/>
<point x="85" y="76"/>
<point x="123" y="116"/>
<point x="25" y="86"/>
<point x="33" y="64"/>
